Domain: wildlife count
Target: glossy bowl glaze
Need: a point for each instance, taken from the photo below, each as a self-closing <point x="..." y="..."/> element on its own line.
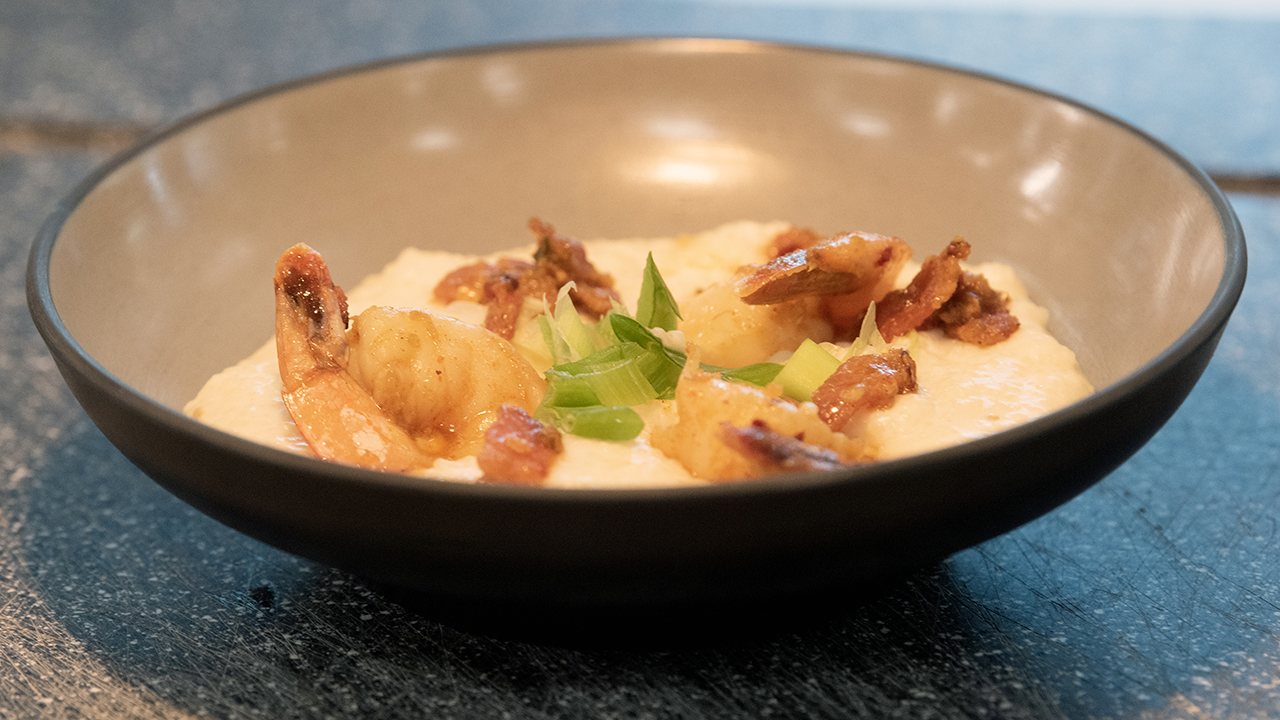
<point x="156" y="273"/>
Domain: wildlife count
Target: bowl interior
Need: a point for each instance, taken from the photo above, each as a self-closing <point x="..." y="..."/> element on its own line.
<point x="162" y="272"/>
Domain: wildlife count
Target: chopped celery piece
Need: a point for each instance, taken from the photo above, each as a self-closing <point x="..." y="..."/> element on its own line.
<point x="805" y="372"/>
<point x="656" y="307"/>
<point x="596" y="421"/>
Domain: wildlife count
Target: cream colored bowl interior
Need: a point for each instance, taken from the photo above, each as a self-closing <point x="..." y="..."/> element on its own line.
<point x="163" y="272"/>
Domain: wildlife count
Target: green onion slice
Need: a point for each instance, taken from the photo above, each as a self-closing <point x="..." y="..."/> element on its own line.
<point x="616" y="375"/>
<point x="595" y="421"/>
<point x="756" y="374"/>
<point x="868" y="335"/>
<point x="656" y="307"/>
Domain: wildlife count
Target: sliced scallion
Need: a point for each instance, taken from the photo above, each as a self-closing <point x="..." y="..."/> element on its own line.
<point x="575" y="332"/>
<point x="615" y="374"/>
<point x="662" y="366"/>
<point x="656" y="307"/>
<point x="757" y="374"/>
<point x="554" y="340"/>
<point x="595" y="421"/>
<point x="868" y="335"/>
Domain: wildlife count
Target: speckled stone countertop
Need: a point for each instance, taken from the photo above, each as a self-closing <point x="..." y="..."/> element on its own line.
<point x="1156" y="594"/>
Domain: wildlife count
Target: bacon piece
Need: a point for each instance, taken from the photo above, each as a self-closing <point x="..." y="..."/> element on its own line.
<point x="505" y="297"/>
<point x="504" y="285"/>
<point x="501" y="285"/>
<point x="976" y="313"/>
<point x="906" y="309"/>
<point x="563" y="260"/>
<point x="773" y="452"/>
<point x="864" y="383"/>
<point x="465" y="283"/>
<point x="518" y="450"/>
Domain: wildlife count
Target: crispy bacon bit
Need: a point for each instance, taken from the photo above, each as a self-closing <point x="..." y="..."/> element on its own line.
<point x="976" y="313"/>
<point x="904" y="310"/>
<point x="864" y="383"/>
<point x="518" y="450"/>
<point x="504" y="285"/>
<point x="774" y="452"/>
<point x="563" y="260"/>
<point x="790" y="240"/>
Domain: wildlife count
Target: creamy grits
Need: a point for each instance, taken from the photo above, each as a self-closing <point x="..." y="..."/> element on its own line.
<point x="965" y="391"/>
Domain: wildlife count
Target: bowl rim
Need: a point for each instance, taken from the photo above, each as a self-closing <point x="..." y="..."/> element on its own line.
<point x="1204" y="329"/>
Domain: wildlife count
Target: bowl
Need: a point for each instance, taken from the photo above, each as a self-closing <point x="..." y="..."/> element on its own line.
<point x="156" y="273"/>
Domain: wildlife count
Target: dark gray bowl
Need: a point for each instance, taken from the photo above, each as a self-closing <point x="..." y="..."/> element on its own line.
<point x="156" y="273"/>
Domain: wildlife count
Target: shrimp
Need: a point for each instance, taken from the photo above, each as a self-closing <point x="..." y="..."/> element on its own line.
<point x="401" y="388"/>
<point x="337" y="418"/>
<point x="775" y="452"/>
<point x="732" y="333"/>
<point x="790" y="240"/>
<point x="816" y="289"/>
<point x="849" y="272"/>
<point x="440" y="379"/>
<point x="758" y="419"/>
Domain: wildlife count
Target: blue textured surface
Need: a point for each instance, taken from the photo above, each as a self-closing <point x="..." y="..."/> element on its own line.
<point x="1210" y="87"/>
<point x="1154" y="594"/>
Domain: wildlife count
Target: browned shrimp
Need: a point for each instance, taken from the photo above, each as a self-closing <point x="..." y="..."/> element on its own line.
<point x="705" y="402"/>
<point x="732" y="333"/>
<point x="402" y="388"/>
<point x="775" y="452"/>
<point x="846" y="264"/>
<point x="337" y="417"/>
<point x="792" y="239"/>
